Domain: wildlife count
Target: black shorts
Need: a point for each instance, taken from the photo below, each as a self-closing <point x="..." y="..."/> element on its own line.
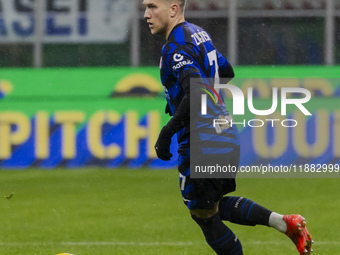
<point x="204" y="193"/>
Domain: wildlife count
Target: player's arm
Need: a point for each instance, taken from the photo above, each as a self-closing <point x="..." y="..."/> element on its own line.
<point x="182" y="113"/>
<point x="177" y="122"/>
<point x="225" y="68"/>
<point x="227" y="72"/>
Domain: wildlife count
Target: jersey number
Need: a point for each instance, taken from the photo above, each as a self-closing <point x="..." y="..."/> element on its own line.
<point x="212" y="55"/>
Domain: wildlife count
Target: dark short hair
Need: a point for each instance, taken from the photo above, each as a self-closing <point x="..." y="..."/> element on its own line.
<point x="181" y="3"/>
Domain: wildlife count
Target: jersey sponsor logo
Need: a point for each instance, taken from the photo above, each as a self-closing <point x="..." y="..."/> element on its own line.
<point x="178" y="57"/>
<point x="181" y="64"/>
<point x="201" y="37"/>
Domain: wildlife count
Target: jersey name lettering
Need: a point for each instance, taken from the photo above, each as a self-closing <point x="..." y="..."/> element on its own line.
<point x="201" y="37"/>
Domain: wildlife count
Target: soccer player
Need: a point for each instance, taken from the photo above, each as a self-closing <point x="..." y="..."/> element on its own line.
<point x="188" y="54"/>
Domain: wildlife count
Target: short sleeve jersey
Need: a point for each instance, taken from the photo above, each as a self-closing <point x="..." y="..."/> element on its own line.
<point x="190" y="51"/>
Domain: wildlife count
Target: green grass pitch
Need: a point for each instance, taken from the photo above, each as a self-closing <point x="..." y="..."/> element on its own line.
<point x="140" y="212"/>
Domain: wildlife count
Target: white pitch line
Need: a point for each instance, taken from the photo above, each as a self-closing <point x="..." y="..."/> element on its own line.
<point x="16" y="244"/>
<point x="125" y="243"/>
<point x="95" y="243"/>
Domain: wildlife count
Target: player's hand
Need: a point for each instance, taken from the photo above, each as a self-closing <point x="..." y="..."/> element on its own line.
<point x="162" y="145"/>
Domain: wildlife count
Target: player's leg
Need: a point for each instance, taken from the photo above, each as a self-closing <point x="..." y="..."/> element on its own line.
<point x="243" y="211"/>
<point x="203" y="207"/>
<point x="236" y="209"/>
<point x="246" y="212"/>
<point x="218" y="236"/>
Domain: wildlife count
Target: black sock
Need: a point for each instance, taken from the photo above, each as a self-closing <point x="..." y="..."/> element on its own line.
<point x="243" y="211"/>
<point x="220" y="238"/>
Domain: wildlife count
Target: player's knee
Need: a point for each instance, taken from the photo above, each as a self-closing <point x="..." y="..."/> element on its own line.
<point x="203" y="222"/>
<point x="204" y="213"/>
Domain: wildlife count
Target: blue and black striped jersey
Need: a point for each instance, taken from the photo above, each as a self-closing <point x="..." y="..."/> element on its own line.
<point x="190" y="52"/>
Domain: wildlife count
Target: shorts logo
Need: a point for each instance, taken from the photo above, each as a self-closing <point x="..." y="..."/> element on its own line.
<point x="178" y="57"/>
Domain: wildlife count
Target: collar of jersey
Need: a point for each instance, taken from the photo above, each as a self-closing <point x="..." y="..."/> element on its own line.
<point x="177" y="26"/>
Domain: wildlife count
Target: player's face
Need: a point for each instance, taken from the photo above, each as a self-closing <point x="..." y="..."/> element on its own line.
<point x="157" y="15"/>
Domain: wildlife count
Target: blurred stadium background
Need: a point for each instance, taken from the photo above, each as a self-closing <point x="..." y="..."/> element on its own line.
<point x="80" y="89"/>
<point x="276" y="32"/>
